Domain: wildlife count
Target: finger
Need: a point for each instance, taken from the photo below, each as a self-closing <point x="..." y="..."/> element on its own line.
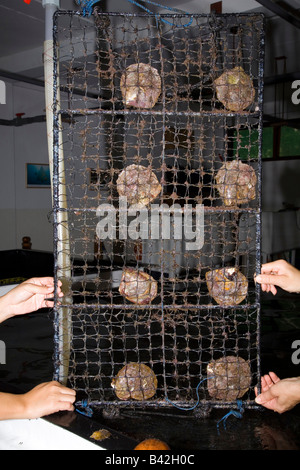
<point x="55" y="383"/>
<point x="47" y="282"/>
<point x="66" y="399"/>
<point x="274" y="377"/>
<point x="36" y="289"/>
<point x="68" y="393"/>
<point x="270" y="279"/>
<point x="61" y="406"/>
<point x="263" y="381"/>
<point x="264" y="397"/>
<point x="268" y="380"/>
<point x="66" y="407"/>
<point x="66" y="390"/>
<point x="272" y="266"/>
<point x="269" y="272"/>
<point x="264" y="385"/>
<point x="41" y="281"/>
<point x="273" y="290"/>
<point x="48" y="303"/>
<point x="270" y="288"/>
<point x="256" y="391"/>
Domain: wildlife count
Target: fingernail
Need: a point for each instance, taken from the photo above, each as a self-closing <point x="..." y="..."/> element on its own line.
<point x="258" y="278"/>
<point x="258" y="399"/>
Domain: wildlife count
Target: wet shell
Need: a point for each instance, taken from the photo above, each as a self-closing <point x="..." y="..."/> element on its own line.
<point x="139" y="184"/>
<point x="101" y="435"/>
<point x="235" y="89"/>
<point x="236" y="183"/>
<point x="229" y="378"/>
<point x="137" y="287"/>
<point x="228" y="286"/>
<point x="140" y="86"/>
<point x="136" y="381"/>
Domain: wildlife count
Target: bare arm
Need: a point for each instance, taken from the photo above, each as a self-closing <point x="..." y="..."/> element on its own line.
<point x="42" y="400"/>
<point x="27" y="297"/>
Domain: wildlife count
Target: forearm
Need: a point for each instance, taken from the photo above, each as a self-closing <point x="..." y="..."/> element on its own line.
<point x="12" y="406"/>
<point x="290" y="396"/>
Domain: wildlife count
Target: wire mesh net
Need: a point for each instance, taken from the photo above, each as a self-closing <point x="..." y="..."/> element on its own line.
<point x="157" y="147"/>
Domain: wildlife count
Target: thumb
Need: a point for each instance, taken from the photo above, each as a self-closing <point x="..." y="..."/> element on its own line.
<point x="272" y="279"/>
<point x="264" y="397"/>
<point x="35" y="289"/>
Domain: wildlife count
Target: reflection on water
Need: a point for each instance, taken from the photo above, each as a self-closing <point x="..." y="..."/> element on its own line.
<point x="257" y="430"/>
<point x="29" y="349"/>
<point x="276" y="439"/>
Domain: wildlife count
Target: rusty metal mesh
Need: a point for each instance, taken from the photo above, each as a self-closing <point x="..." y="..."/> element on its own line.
<point x="185" y="139"/>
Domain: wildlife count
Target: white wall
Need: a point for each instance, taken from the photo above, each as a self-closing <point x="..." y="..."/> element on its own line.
<point x="23" y="210"/>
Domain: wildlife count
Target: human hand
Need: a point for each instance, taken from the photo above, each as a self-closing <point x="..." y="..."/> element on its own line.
<point x="278" y="395"/>
<point x="279" y="273"/>
<point x="47" y="398"/>
<point x="29" y="296"/>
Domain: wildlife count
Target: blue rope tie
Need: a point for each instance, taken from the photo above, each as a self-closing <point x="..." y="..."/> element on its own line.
<point x="198" y="398"/>
<point x="87" y="6"/>
<point x="237" y="414"/>
<point x="87" y="409"/>
<point x="87" y="9"/>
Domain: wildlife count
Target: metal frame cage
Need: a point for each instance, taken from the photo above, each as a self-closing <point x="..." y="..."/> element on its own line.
<point x="186" y="137"/>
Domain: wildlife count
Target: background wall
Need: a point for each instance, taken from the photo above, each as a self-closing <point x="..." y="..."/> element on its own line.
<point x="23" y="211"/>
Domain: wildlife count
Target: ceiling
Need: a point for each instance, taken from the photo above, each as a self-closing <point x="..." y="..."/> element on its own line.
<point x="22" y="26"/>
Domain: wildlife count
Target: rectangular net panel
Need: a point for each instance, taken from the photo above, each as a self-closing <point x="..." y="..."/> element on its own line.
<point x="157" y="147"/>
